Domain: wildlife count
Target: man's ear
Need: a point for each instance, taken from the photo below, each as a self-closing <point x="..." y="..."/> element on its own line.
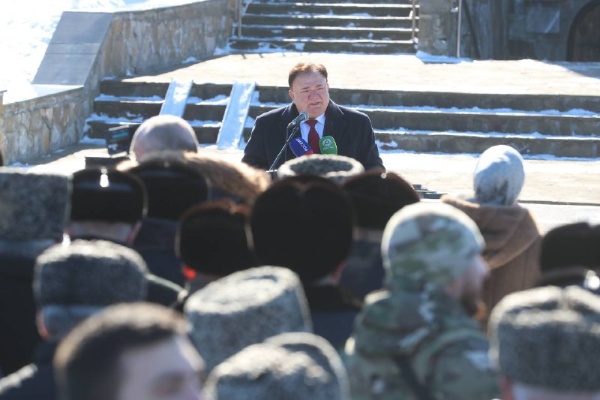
<point x="41" y="327"/>
<point x="506" y="388"/>
<point x="134" y="231"/>
<point x="291" y="93"/>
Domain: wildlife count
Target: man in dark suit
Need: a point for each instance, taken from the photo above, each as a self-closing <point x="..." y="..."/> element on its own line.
<point x="309" y="91"/>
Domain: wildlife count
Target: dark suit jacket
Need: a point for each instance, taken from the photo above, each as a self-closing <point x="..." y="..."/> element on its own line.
<point x="351" y="130"/>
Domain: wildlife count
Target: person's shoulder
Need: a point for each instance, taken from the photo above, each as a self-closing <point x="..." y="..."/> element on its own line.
<point x="349" y="112"/>
<point x="273" y="114"/>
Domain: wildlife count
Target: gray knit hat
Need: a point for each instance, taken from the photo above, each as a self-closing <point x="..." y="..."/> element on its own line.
<point x="289" y="366"/>
<point x="244" y="308"/>
<point x="33" y="206"/>
<point x="499" y="176"/>
<point x="333" y="167"/>
<point x="549" y="338"/>
<point x="89" y="273"/>
<point x="428" y="244"/>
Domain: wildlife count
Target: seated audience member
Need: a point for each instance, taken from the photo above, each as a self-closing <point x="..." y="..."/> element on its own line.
<point x="307" y="226"/>
<point x="33" y="213"/>
<point x="570" y="255"/>
<point x="211" y="242"/>
<point x="245" y="308"/>
<point x="110" y="205"/>
<point x="289" y="366"/>
<point x="163" y="132"/>
<point x="173" y="187"/>
<point x="511" y="235"/>
<point x="72" y="283"/>
<point x="418" y="338"/>
<point x="333" y="167"/>
<point x="376" y="196"/>
<point x="129" y="352"/>
<point x="545" y="344"/>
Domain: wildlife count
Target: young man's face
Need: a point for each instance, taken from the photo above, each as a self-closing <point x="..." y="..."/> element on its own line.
<point x="310" y="93"/>
<point x="170" y="369"/>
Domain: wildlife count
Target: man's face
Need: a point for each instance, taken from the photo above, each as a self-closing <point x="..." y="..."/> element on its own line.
<point x="310" y="93"/>
<point x="474" y="279"/>
<point x="170" y="369"/>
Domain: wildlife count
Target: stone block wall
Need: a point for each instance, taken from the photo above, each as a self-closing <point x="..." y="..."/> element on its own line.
<point x="87" y="47"/>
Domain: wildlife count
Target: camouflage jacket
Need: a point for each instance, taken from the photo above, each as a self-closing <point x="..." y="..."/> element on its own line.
<point x="442" y="344"/>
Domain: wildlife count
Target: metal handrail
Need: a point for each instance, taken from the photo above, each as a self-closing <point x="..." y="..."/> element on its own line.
<point x="459" y="29"/>
<point x="241" y="8"/>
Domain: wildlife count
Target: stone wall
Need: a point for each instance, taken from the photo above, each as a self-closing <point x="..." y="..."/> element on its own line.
<point x="89" y="46"/>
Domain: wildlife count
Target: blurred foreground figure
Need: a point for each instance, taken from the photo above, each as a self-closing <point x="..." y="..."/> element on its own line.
<point x="130" y="352"/>
<point x="546" y="344"/>
<point x="417" y="339"/>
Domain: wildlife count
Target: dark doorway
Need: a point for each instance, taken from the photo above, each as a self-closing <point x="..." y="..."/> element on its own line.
<point x="584" y="38"/>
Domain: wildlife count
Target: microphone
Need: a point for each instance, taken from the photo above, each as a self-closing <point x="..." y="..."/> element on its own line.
<point x="303" y="116"/>
<point x="300" y="147"/>
<point x="327" y="145"/>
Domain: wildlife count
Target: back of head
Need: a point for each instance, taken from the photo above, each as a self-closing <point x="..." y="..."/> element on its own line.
<point x="548" y="338"/>
<point x="87" y="362"/>
<point x="499" y="176"/>
<point x="173" y="186"/>
<point x="333" y="167"/>
<point x="244" y="308"/>
<point x="575" y="244"/>
<point x="428" y="244"/>
<point x="163" y="132"/>
<point x="211" y="238"/>
<point x="107" y="195"/>
<point x="289" y="366"/>
<point x="33" y="206"/>
<point x="377" y="195"/>
<point x="305" y="227"/>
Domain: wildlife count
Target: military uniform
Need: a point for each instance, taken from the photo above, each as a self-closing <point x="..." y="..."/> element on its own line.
<point x="413" y="340"/>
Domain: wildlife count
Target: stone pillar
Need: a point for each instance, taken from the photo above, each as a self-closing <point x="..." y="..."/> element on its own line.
<point x="437" y="27"/>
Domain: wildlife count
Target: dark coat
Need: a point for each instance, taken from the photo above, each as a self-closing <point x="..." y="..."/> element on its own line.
<point x="332" y="311"/>
<point x="34" y="381"/>
<point x="351" y="130"/>
<point x="18" y="330"/>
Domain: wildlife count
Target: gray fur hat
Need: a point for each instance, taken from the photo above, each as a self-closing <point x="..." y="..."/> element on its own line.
<point x="428" y="244"/>
<point x="289" y="366"/>
<point x="89" y="273"/>
<point x="244" y="308"/>
<point x="499" y="176"/>
<point x="333" y="167"/>
<point x="549" y="338"/>
<point x="33" y="206"/>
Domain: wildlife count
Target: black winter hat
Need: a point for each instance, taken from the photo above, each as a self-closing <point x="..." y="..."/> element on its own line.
<point x="101" y="194"/>
<point x="172" y="187"/>
<point x="305" y="227"/>
<point x="575" y="244"/>
<point x="377" y="195"/>
<point x="212" y="238"/>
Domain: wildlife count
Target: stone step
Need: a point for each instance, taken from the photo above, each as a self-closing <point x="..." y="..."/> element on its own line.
<point x="118" y="88"/>
<point x="321" y="45"/>
<point x="325" y="32"/>
<point x="394" y="2"/>
<point x="379" y="9"/>
<point x="359" y="21"/>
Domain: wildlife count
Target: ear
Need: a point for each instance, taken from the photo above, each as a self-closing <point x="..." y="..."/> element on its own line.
<point x="506" y="388"/>
<point x="337" y="273"/>
<point x="291" y="93"/>
<point x="134" y="231"/>
<point x="39" y="320"/>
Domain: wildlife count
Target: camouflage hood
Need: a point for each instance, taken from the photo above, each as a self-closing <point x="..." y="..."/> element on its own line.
<point x="394" y="323"/>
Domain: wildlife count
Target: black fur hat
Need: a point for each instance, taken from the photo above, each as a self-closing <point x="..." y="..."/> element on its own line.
<point x="212" y="238"/>
<point x="377" y="195"/>
<point x="172" y="187"/>
<point x="575" y="244"/>
<point x="307" y="227"/>
<point x="101" y="194"/>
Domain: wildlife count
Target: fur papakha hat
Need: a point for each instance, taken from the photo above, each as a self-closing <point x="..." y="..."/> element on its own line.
<point x="33" y="206"/>
<point x="89" y="272"/>
<point x="549" y="338"/>
<point x="101" y="194"/>
<point x="334" y="167"/>
<point x="428" y="244"/>
<point x="288" y="366"/>
<point x="244" y="308"/>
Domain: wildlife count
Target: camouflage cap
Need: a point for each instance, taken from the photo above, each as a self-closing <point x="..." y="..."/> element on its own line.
<point x="428" y="244"/>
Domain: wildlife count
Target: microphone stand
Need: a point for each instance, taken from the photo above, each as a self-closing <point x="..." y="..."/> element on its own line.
<point x="284" y="148"/>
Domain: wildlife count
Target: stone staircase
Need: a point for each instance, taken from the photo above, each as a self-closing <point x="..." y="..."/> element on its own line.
<point x="561" y="126"/>
<point x="326" y="26"/>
